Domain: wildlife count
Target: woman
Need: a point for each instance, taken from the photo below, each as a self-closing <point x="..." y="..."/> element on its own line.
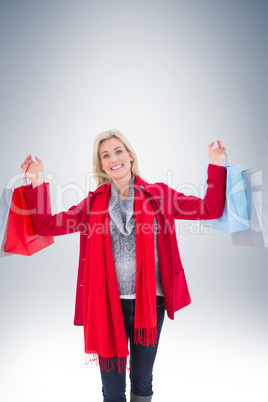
<point x="130" y="270"/>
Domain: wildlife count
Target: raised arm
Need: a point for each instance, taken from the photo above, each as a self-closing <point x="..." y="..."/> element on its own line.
<point x="211" y="207"/>
<point x="38" y="201"/>
<point x="195" y="208"/>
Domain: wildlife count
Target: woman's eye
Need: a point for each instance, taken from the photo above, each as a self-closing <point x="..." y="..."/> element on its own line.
<point x="107" y="155"/>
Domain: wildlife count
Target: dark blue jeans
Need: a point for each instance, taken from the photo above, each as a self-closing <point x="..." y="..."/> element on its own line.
<point x="141" y="359"/>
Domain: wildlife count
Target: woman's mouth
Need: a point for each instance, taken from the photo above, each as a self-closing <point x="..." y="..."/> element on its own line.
<point x="116" y="167"/>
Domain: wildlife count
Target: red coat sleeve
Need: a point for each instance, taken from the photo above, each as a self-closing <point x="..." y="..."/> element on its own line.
<point x="44" y="222"/>
<point x="211" y="207"/>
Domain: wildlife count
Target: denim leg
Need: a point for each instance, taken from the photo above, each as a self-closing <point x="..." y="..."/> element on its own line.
<point x="113" y="386"/>
<point x="113" y="382"/>
<point x="142" y="358"/>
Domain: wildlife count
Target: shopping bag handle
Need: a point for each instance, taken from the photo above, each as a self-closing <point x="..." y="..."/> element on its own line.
<point x="228" y="158"/>
<point x="25" y="177"/>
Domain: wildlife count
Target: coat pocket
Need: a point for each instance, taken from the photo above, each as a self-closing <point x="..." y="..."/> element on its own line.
<point x="181" y="293"/>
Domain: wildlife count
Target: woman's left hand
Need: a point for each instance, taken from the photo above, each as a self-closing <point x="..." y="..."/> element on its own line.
<point x="216" y="155"/>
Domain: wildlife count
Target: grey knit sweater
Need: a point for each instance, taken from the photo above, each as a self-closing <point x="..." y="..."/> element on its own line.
<point x="123" y="238"/>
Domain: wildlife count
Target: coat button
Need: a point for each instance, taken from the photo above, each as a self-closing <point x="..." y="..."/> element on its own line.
<point x="141" y="187"/>
<point x="159" y="202"/>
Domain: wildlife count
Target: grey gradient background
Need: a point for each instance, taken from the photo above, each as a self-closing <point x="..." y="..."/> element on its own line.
<point x="173" y="76"/>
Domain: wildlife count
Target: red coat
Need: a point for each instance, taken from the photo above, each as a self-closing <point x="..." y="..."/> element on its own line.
<point x="168" y="205"/>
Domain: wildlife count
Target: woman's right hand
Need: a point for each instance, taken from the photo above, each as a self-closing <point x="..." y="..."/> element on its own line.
<point x="35" y="173"/>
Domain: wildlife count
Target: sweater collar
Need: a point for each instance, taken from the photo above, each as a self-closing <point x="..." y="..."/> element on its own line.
<point x="121" y="211"/>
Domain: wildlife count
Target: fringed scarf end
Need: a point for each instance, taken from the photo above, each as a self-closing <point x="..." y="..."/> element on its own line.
<point x="145" y="336"/>
<point x="115" y="363"/>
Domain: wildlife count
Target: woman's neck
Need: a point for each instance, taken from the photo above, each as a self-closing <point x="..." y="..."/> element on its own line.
<point x="122" y="186"/>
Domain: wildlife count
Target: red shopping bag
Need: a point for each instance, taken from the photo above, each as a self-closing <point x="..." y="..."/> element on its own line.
<point x="21" y="236"/>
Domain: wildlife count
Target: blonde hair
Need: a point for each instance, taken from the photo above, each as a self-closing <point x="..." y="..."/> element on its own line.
<point x="99" y="175"/>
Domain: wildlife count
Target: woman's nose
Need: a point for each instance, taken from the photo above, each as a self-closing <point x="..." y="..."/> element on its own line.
<point x="114" y="159"/>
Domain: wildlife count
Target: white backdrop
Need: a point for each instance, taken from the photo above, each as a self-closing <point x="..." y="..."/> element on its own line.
<point x="172" y="76"/>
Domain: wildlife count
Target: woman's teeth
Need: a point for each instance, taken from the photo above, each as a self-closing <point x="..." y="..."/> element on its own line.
<point x="117" y="167"/>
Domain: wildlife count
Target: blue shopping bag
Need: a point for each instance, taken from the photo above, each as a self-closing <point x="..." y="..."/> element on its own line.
<point x="235" y="215"/>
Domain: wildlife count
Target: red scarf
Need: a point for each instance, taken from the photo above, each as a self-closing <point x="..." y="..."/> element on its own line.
<point x="104" y="331"/>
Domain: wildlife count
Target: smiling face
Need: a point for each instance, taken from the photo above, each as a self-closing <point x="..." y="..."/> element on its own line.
<point x="115" y="160"/>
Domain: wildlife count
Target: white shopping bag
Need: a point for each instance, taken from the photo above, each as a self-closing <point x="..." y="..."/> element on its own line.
<point x="5" y="202"/>
<point x="257" y="197"/>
